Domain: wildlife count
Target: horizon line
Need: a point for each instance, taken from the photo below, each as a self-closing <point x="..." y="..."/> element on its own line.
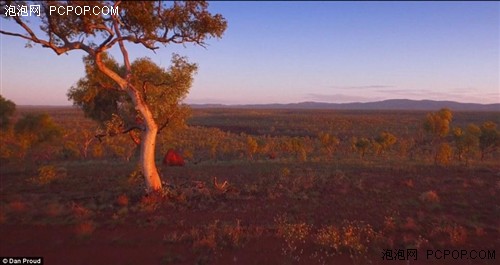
<point x="288" y="103"/>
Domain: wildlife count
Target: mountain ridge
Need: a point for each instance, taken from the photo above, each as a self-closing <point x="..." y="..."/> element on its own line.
<point x="390" y="104"/>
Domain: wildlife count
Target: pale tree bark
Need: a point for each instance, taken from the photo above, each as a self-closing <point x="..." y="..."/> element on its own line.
<point x="148" y="162"/>
<point x="148" y="141"/>
<point x="150" y="130"/>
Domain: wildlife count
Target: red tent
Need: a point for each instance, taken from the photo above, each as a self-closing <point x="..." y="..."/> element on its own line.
<point x="174" y="159"/>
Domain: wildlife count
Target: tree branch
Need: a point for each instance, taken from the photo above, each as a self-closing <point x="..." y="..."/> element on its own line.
<point x="110" y="73"/>
<point x="128" y="130"/>
<point x="144" y="90"/>
<point x="48" y="44"/>
<point x="16" y="35"/>
<point x="167" y="121"/>
<point x="102" y="46"/>
<point x="124" y="51"/>
<point x="164" y="125"/>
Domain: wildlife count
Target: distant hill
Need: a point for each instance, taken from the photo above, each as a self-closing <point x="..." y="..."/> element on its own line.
<point x="391" y="104"/>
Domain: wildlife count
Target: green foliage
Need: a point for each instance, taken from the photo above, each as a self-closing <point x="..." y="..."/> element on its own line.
<point x="443" y="155"/>
<point x="190" y="21"/>
<point x="438" y="123"/>
<point x="489" y="140"/>
<point x="10" y="147"/>
<point x="97" y="151"/>
<point x="141" y="22"/>
<point x="466" y="141"/>
<point x="49" y="173"/>
<point x="70" y="150"/>
<point x="96" y="93"/>
<point x="121" y="147"/>
<point x="252" y="146"/>
<point x="7" y="109"/>
<point x="362" y="145"/>
<point x="384" y="141"/>
<point x="37" y="128"/>
<point x="328" y="142"/>
<point x="162" y="90"/>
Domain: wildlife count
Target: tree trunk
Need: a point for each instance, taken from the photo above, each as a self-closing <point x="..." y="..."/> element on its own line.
<point x="148" y="143"/>
<point x="148" y="162"/>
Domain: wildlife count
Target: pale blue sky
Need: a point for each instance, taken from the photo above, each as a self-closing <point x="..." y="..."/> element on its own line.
<point x="280" y="52"/>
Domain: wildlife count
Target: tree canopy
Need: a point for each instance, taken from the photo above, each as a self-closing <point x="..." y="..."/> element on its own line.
<point x="141" y="22"/>
<point x="162" y="90"/>
<point x="438" y="123"/>
<point x="489" y="140"/>
<point x="37" y="128"/>
<point x="7" y="109"/>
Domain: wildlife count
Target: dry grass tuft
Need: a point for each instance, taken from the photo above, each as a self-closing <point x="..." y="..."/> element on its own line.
<point x="54" y="209"/>
<point x="18" y="206"/>
<point x="122" y="200"/>
<point x="85" y="229"/>
<point x="429" y="197"/>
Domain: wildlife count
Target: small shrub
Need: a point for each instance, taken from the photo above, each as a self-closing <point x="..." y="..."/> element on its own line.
<point x="18" y="206"/>
<point x="429" y="197"/>
<point x="443" y="155"/>
<point x="294" y="234"/>
<point x="330" y="237"/>
<point x="54" y="209"/>
<point x="80" y="212"/>
<point x="409" y="183"/>
<point x="122" y="200"/>
<point x="69" y="150"/>
<point x="135" y="177"/>
<point x="234" y="233"/>
<point x="221" y="187"/>
<point x="410" y="224"/>
<point x="3" y="218"/>
<point x="85" y="229"/>
<point x="285" y="172"/>
<point x="479" y="231"/>
<point x="48" y="174"/>
<point x="353" y="237"/>
<point x="206" y="239"/>
<point x="151" y="201"/>
<point x="38" y="128"/>
<point x="389" y="223"/>
<point x="357" y="237"/>
<point x="458" y="235"/>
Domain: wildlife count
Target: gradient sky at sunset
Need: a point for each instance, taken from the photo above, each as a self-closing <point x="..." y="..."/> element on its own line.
<point x="281" y="52"/>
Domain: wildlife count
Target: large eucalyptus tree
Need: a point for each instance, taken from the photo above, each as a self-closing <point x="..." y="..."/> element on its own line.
<point x="97" y="26"/>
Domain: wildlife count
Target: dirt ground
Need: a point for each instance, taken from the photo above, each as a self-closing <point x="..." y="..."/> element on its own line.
<point x="301" y="206"/>
<point x="273" y="212"/>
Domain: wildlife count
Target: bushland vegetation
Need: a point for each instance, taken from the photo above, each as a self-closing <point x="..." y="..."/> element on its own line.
<point x="279" y="186"/>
